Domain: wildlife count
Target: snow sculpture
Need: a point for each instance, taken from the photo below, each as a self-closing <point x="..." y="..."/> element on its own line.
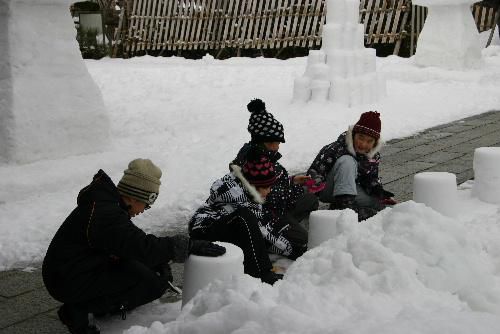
<point x="437" y="190"/>
<point x="487" y="174"/>
<point x="343" y="71"/>
<point x="326" y="224"/>
<point x="49" y="105"/>
<point x="199" y="271"/>
<point x="449" y="38"/>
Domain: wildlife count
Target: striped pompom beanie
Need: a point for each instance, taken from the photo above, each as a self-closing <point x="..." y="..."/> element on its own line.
<point x="141" y="180"/>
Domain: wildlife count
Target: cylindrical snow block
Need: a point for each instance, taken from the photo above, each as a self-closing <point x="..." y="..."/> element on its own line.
<point x="199" y="271"/>
<point x="337" y="61"/>
<point x="437" y="190"/>
<point x="335" y="11"/>
<point x="352" y="11"/>
<point x="486" y="166"/>
<point x="332" y="38"/>
<point x="348" y="36"/>
<point x="319" y="72"/>
<point x="315" y="57"/>
<point x="359" y="36"/>
<point x="319" y="90"/>
<point x="369" y="60"/>
<point x="322" y="226"/>
<point x="340" y="91"/>
<point x="301" y="89"/>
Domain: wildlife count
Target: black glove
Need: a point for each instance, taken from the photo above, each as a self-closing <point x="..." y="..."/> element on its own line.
<point x="164" y="271"/>
<point x="297" y="251"/>
<point x="387" y="194"/>
<point x="205" y="248"/>
<point x="381" y="192"/>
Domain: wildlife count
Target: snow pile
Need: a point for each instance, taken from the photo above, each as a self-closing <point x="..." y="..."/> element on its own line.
<point x="408" y="269"/>
<point x="449" y="38"/>
<point x="343" y="71"/>
<point x="49" y="105"/>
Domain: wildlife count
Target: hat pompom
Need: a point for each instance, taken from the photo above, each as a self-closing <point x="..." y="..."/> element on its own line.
<point x="256" y="106"/>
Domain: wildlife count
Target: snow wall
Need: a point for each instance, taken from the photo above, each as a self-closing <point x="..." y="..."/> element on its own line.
<point x="50" y="106"/>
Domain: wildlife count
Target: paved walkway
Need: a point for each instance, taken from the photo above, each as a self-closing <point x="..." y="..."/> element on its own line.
<point x="25" y="306"/>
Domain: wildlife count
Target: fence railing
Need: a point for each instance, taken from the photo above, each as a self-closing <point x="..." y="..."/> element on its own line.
<point x="160" y="25"/>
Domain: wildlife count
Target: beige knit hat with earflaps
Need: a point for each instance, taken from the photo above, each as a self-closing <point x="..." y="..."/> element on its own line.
<point x="141" y="180"/>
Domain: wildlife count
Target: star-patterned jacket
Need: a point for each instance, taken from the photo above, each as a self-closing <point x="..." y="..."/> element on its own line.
<point x="284" y="193"/>
<point x="368" y="164"/>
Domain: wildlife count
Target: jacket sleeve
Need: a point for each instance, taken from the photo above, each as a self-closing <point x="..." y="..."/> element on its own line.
<point x="323" y="163"/>
<point x="368" y="175"/>
<point x="110" y="230"/>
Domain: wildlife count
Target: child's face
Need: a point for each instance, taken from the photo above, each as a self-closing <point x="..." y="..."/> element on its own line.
<point x="363" y="143"/>
<point x="273" y="146"/>
<point x="264" y="191"/>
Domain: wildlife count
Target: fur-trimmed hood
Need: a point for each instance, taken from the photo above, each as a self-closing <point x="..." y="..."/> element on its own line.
<point x="349" y="141"/>
<point x="236" y="170"/>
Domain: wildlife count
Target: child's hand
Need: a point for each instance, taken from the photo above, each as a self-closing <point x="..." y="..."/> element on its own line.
<point x="300" y="179"/>
<point x="314" y="187"/>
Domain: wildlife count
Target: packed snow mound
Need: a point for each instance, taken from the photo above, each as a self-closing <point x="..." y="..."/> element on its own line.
<point x="409" y="269"/>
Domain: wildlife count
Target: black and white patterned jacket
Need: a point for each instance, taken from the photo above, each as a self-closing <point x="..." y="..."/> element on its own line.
<point x="368" y="164"/>
<point x="229" y="193"/>
<point x="284" y="193"/>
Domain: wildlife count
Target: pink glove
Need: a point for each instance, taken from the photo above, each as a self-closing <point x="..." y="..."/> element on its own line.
<point x="388" y="201"/>
<point x="313" y="187"/>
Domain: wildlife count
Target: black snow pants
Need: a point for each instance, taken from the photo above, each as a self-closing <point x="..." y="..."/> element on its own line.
<point x="297" y="234"/>
<point x="241" y="229"/>
<point x="122" y="285"/>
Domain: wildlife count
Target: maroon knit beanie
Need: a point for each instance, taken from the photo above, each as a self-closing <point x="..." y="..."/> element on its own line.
<point x="369" y="124"/>
<point x="259" y="171"/>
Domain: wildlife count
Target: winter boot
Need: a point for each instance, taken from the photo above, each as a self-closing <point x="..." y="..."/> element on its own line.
<point x="342" y="202"/>
<point x="365" y="212"/>
<point x="76" y="320"/>
<point x="271" y="277"/>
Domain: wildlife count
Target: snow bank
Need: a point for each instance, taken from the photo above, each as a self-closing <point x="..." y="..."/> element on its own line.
<point x="408" y="269"/>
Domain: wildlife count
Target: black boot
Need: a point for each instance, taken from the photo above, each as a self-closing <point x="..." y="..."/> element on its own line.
<point x="342" y="202"/>
<point x="365" y="212"/>
<point x="271" y="277"/>
<point x="76" y="320"/>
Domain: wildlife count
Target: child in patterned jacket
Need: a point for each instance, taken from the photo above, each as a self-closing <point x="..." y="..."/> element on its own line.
<point x="233" y="213"/>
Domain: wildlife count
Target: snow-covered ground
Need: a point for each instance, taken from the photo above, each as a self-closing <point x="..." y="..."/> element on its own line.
<point x="407" y="269"/>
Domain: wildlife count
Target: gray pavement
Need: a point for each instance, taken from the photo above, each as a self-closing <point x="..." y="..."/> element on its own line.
<point x="25" y="306"/>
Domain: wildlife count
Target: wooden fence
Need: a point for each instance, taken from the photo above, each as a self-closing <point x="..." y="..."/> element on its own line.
<point x="156" y="25"/>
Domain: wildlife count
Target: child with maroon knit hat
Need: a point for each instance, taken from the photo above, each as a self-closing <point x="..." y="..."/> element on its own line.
<point x="350" y="165"/>
<point x="233" y="213"/>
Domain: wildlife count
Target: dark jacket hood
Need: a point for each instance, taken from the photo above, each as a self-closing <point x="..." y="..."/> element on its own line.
<point x="101" y="189"/>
